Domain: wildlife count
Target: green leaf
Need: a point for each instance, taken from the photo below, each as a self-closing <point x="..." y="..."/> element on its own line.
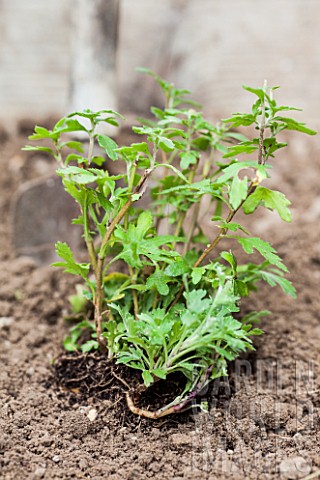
<point x="240" y="119"/>
<point x="254" y="317"/>
<point x="160" y="373"/>
<point x="241" y="288"/>
<point x="231" y="259"/>
<point x="175" y="170"/>
<point x="256" y="91"/>
<point x="138" y="241"/>
<point x="78" y="302"/>
<point x="291" y="124"/>
<point x="144" y="223"/>
<point x="166" y="144"/>
<point x="177" y="268"/>
<point x="109" y="145"/>
<point x="64" y="251"/>
<point x="147" y="378"/>
<point x="89" y="345"/>
<point x="233" y="226"/>
<point x="264" y="248"/>
<point x="71" y="125"/>
<point x="81" y="176"/>
<point x="31" y="148"/>
<point x="271" y="199"/>
<point x="187" y="159"/>
<point x="70" y="343"/>
<point x="43" y="133"/>
<point x="233" y="169"/>
<point x="159" y="280"/>
<point x="78" y="146"/>
<point x="256" y="331"/>
<point x="244" y="147"/>
<point x="74" y="191"/>
<point x="238" y="192"/>
<point x="196" y="302"/>
<point x="134" y="149"/>
<point x="273" y="279"/>
<point x="196" y="274"/>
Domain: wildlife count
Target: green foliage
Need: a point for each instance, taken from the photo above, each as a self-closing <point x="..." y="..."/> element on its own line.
<point x="270" y="199"/>
<point x="64" y="251"/>
<point x="170" y="308"/>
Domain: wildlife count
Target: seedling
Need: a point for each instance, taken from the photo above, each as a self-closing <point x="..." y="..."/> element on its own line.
<point x="170" y="306"/>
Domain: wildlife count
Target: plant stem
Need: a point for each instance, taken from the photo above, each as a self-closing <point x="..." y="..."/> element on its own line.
<point x="262" y="128"/>
<point x="131" y="272"/>
<point x="183" y="214"/>
<point x="196" y="210"/>
<point x="98" y="300"/>
<point x="232" y="212"/>
<point x="87" y="235"/>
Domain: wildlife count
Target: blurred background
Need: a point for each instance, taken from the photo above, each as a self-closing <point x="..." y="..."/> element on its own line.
<point x="212" y="47"/>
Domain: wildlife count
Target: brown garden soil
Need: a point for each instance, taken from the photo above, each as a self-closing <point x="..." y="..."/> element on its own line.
<point x="65" y="417"/>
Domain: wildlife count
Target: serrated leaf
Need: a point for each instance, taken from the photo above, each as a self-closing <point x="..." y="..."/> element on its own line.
<point x="43" y="133"/>
<point x="144" y="223"/>
<point x="159" y="280"/>
<point x="233" y="226"/>
<point x="291" y="124"/>
<point x="238" y="191"/>
<point x="244" y="147"/>
<point x="264" y="248"/>
<point x="109" y="145"/>
<point x="233" y="169"/>
<point x="196" y="302"/>
<point x="70" y="265"/>
<point x="224" y="353"/>
<point x="74" y="191"/>
<point x="271" y="199"/>
<point x="240" y="119"/>
<point x="31" y="148"/>
<point x="177" y="268"/>
<point x="273" y="279"/>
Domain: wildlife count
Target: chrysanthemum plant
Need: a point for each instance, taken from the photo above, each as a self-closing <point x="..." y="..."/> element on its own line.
<point x="172" y="302"/>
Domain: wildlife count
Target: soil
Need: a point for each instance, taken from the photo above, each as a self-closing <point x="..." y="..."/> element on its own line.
<point x="263" y="422"/>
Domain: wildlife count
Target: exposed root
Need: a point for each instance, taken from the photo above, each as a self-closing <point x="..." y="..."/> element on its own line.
<point x="147" y="413"/>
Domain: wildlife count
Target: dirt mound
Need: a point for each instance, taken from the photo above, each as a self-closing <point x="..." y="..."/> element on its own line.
<point x="262" y="423"/>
